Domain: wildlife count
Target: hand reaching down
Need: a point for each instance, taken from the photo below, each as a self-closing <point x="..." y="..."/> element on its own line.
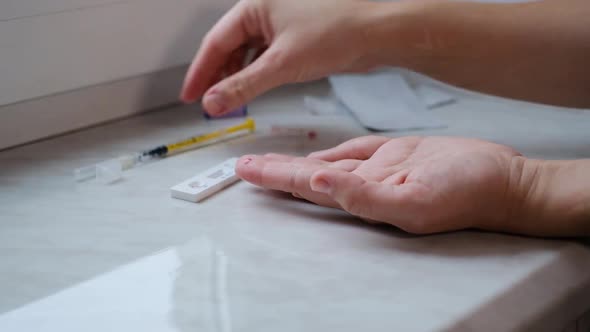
<point x="297" y="41"/>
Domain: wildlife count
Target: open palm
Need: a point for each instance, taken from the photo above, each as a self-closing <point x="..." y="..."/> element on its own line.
<point x="419" y="184"/>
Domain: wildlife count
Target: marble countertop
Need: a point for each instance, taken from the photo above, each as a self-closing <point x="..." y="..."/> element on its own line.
<point x="128" y="257"/>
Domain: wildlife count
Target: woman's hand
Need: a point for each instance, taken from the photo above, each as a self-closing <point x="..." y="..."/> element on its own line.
<point x="299" y="41"/>
<point x="435" y="184"/>
<point x="469" y="44"/>
<point x="422" y="185"/>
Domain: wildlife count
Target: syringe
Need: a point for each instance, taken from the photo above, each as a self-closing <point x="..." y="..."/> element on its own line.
<point x="165" y="150"/>
<point x="111" y="170"/>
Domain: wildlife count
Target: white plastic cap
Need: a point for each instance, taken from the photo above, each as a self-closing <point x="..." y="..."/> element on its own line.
<point x="107" y="171"/>
<point x="128" y="161"/>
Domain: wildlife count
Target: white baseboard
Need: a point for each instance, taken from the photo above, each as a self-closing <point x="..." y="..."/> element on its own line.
<point x="52" y="115"/>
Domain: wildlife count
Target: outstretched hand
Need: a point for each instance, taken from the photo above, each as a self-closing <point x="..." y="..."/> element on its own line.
<point x="419" y="184"/>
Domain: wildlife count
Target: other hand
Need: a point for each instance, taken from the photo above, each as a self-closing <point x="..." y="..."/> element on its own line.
<point x="419" y="184"/>
<point x="298" y="41"/>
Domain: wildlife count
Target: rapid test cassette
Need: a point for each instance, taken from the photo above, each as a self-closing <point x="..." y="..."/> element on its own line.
<point x="207" y="183"/>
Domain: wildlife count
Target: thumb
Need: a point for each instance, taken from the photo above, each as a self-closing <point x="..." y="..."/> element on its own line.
<point x="352" y="192"/>
<point x="265" y="73"/>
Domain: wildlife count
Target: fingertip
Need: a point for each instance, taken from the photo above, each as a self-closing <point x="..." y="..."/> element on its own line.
<point x="184" y="95"/>
<point x="188" y="92"/>
<point x="212" y="105"/>
<point x="216" y="102"/>
<point x="245" y="161"/>
<point x="243" y="86"/>
<point x="246" y="168"/>
<point x="187" y="98"/>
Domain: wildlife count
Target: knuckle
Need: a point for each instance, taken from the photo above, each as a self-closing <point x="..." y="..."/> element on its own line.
<point x="278" y="63"/>
<point x="357" y="149"/>
<point x="301" y="181"/>
<point x="293" y="175"/>
<point x="239" y="89"/>
<point x="297" y="181"/>
<point x="276" y="59"/>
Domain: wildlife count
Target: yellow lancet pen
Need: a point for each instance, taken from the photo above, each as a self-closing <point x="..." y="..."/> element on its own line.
<point x="164" y="150"/>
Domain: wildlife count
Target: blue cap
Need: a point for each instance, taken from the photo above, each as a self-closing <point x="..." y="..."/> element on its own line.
<point x="240" y="112"/>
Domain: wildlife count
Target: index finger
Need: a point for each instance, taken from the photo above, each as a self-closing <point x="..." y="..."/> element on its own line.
<point x="277" y="173"/>
<point x="224" y="38"/>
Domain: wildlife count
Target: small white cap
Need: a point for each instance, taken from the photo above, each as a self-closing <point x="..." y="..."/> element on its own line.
<point x="128" y="161"/>
<point x="109" y="171"/>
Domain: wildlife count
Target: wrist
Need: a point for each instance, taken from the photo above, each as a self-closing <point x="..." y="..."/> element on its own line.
<point x="408" y="34"/>
<point x="389" y="33"/>
<point x="548" y="198"/>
